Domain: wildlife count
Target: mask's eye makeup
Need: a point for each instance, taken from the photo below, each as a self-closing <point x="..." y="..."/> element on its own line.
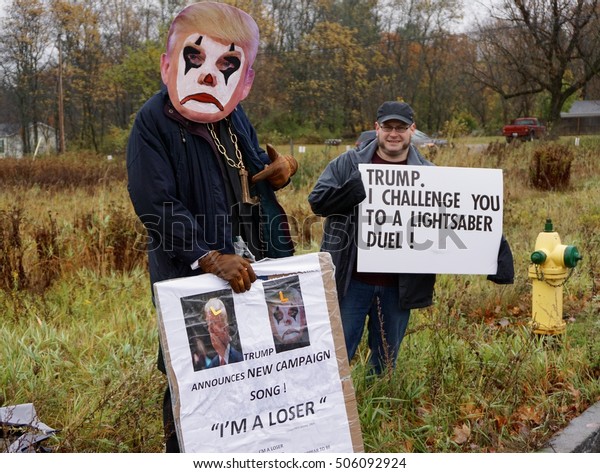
<point x="193" y="58"/>
<point x="229" y="62"/>
<point x="277" y="315"/>
<point x="293" y="313"/>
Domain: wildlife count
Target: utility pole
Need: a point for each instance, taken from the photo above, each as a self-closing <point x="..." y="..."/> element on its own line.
<point x="61" y="111"/>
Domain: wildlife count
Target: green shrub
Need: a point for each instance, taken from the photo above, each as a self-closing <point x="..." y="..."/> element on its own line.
<point x="457" y="127"/>
<point x="116" y="140"/>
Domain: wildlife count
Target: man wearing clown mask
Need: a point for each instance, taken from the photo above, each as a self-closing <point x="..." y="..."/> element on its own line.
<point x="197" y="178"/>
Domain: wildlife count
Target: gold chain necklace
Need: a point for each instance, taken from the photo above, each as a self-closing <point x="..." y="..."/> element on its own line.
<point x="239" y="165"/>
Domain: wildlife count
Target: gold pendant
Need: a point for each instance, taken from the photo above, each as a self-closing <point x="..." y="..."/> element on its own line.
<point x="246" y="199"/>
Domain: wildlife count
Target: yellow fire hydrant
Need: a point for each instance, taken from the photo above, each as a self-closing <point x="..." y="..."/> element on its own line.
<point x="548" y="271"/>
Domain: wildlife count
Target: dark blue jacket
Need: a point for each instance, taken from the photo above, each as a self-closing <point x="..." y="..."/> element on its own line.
<point x="336" y="196"/>
<point x="177" y="189"/>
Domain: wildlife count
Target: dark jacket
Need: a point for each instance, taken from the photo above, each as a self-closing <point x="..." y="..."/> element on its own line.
<point x="176" y="185"/>
<point x="336" y="195"/>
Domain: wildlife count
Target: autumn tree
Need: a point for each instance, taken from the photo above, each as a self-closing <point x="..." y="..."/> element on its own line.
<point x="329" y="77"/>
<point x="360" y="16"/>
<point x="111" y="55"/>
<point x="439" y="78"/>
<point x="84" y="63"/>
<point x="322" y="69"/>
<point x="419" y="59"/>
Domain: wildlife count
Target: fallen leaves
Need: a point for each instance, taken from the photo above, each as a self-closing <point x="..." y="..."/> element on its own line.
<point x="461" y="434"/>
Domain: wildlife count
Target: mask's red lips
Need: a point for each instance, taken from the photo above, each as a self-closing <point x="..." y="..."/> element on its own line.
<point x="203" y="97"/>
<point x="290" y="333"/>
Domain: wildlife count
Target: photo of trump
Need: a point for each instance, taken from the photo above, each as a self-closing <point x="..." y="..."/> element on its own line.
<point x="212" y="329"/>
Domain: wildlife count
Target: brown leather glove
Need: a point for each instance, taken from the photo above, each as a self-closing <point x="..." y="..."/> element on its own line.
<point x="280" y="170"/>
<point x="236" y="270"/>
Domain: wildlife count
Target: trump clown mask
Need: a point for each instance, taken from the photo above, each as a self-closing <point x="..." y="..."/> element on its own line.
<point x="207" y="67"/>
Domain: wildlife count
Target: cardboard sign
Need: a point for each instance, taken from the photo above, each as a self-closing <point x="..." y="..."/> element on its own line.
<point x="261" y="371"/>
<point x="429" y="219"/>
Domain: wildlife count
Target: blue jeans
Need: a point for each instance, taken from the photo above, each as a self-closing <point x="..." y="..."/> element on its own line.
<point x="387" y="322"/>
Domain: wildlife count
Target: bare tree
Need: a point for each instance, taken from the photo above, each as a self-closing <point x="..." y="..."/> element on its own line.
<point x="540" y="46"/>
<point x="292" y="19"/>
<point x="25" y="44"/>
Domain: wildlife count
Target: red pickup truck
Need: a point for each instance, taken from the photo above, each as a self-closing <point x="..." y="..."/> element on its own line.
<point x="526" y="129"/>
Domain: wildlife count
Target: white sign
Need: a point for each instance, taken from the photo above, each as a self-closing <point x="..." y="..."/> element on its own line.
<point x="430" y="219"/>
<point x="261" y="371"/>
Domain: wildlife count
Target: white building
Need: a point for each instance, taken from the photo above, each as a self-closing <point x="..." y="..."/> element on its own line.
<point x="11" y="140"/>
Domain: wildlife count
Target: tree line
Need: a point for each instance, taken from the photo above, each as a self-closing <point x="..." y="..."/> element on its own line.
<point x="323" y="66"/>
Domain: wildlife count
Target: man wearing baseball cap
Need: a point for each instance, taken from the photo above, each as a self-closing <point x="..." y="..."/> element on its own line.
<point x="386" y="298"/>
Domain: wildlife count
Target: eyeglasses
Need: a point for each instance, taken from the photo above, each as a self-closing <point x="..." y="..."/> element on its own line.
<point x="399" y="128"/>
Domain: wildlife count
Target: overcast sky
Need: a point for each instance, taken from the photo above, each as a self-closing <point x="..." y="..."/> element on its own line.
<point x="475" y="10"/>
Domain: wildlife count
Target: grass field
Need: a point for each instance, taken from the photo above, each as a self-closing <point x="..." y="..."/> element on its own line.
<point x="79" y="331"/>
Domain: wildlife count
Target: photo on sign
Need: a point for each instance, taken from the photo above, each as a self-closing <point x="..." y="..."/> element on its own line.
<point x="287" y="313"/>
<point x="212" y="330"/>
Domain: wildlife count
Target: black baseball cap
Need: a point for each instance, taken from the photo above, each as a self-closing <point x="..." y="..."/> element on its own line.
<point x="395" y="111"/>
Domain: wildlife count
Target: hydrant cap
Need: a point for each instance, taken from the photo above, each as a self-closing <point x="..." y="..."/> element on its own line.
<point x="548" y="227"/>
<point x="538" y="257"/>
<point x="572" y="256"/>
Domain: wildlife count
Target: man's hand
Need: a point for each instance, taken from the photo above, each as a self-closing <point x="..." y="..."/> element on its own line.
<point x="236" y="270"/>
<point x="280" y="170"/>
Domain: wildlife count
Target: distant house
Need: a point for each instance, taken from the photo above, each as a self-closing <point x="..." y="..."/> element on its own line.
<point x="11" y="140"/>
<point x="582" y="119"/>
